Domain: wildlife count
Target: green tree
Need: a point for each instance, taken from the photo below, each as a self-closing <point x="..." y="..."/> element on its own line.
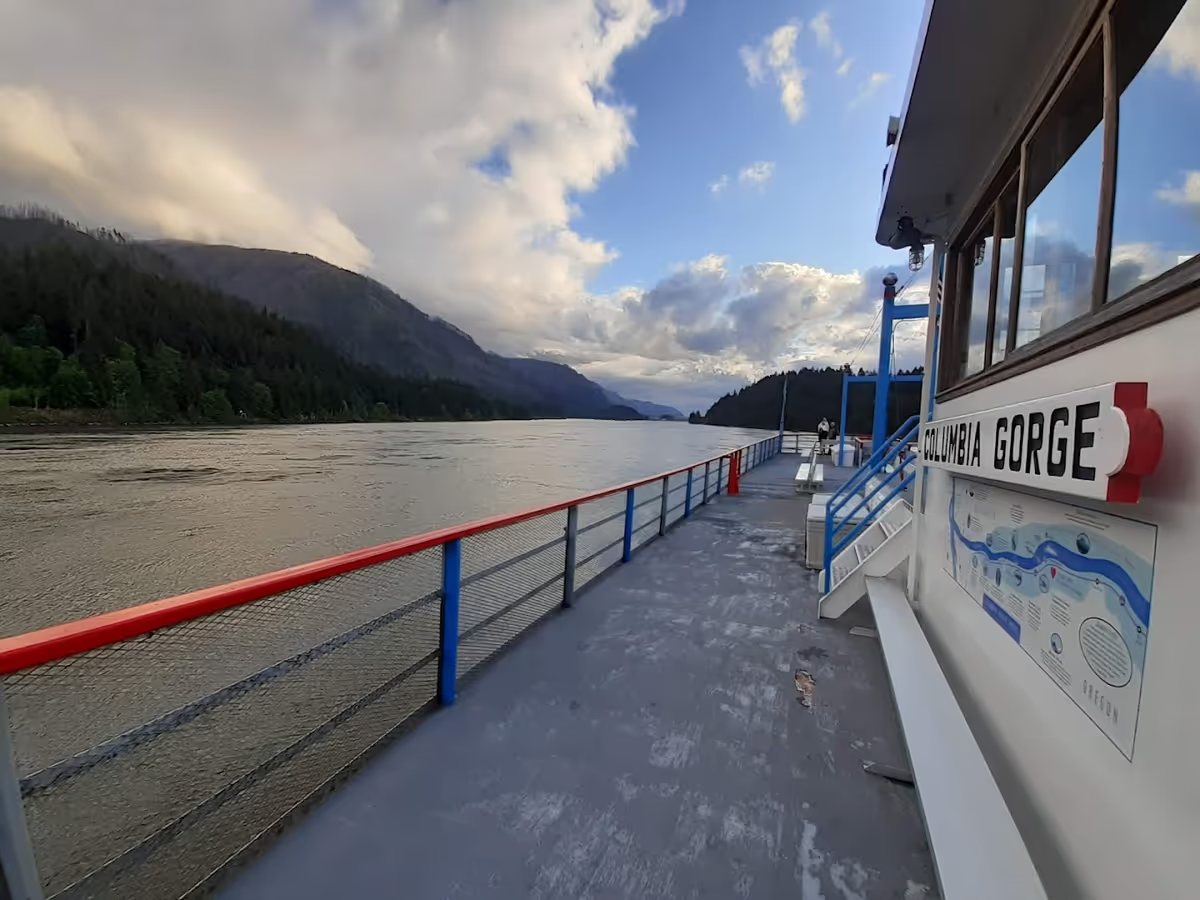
<point x="215" y="406"/>
<point x="264" y="406"/>
<point x="33" y="334"/>
<point x="126" y="379"/>
<point x="164" y="380"/>
<point x="71" y="388"/>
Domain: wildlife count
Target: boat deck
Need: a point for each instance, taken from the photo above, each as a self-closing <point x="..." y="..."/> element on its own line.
<point x="688" y="729"/>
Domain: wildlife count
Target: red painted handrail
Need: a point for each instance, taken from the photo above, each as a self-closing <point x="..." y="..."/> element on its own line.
<point x="46" y="645"/>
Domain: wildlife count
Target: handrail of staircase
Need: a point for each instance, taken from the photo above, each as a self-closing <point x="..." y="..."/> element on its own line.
<point x="873" y="464"/>
<point x="891" y="449"/>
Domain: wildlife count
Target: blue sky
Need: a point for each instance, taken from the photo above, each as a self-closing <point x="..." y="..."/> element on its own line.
<point x="698" y="119"/>
<point x="539" y="172"/>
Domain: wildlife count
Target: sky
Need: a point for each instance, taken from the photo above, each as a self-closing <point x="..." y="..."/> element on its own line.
<point x="674" y="196"/>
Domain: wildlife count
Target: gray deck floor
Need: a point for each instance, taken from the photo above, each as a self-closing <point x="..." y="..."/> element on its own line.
<point x="649" y="742"/>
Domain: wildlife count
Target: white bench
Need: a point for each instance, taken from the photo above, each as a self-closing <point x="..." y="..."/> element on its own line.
<point x="810" y="476"/>
<point x="976" y="848"/>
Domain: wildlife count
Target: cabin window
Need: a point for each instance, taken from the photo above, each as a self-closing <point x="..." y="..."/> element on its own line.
<point x="1006" y="229"/>
<point x="1101" y="200"/>
<point x="976" y="261"/>
<point x="1062" y="165"/>
<point x="1156" y="221"/>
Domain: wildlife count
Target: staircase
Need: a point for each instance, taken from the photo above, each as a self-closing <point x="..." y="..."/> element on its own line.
<point x="867" y="522"/>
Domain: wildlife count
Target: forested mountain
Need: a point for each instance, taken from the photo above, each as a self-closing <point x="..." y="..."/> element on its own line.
<point x="813" y="394"/>
<point x="83" y="325"/>
<point x="374" y="325"/>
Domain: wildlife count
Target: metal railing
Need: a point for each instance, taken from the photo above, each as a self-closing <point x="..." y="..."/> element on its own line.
<point x="894" y="453"/>
<point x="796" y="441"/>
<point x="153" y="747"/>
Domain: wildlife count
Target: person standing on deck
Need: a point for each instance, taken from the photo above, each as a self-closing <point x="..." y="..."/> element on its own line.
<point x="823" y="435"/>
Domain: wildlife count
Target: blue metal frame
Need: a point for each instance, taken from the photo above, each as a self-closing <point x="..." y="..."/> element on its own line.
<point x="451" y="588"/>
<point x="848" y="380"/>
<point x="687" y="496"/>
<point x="627" y="551"/>
<point x="890" y="450"/>
<point x="891" y="315"/>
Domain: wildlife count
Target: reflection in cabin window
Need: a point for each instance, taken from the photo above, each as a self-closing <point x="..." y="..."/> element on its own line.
<point x="978" y="260"/>
<point x="1008" y="230"/>
<point x="1064" y="160"/>
<point x="1156" y="221"/>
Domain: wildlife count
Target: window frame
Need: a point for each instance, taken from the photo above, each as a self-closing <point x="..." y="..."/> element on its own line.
<point x="1168" y="294"/>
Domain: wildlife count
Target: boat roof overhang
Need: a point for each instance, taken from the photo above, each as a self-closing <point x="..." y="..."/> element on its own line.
<point x="980" y="70"/>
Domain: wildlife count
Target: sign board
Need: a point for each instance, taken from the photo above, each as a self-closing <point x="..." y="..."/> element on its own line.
<point x="1097" y="442"/>
<point x="1071" y="586"/>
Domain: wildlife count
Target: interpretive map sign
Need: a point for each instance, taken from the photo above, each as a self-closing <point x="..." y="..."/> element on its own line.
<point x="1070" y="585"/>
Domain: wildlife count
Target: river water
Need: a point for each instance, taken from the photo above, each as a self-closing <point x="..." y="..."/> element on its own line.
<point x="99" y="521"/>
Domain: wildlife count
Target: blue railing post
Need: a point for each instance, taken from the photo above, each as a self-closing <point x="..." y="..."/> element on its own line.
<point x="720" y="474"/>
<point x="662" y="509"/>
<point x="569" y="562"/>
<point x="627" y="553"/>
<point x="687" y="496"/>
<point x="451" y="586"/>
<point x="704" y="502"/>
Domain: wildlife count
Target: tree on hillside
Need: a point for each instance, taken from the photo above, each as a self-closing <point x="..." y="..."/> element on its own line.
<point x="80" y="331"/>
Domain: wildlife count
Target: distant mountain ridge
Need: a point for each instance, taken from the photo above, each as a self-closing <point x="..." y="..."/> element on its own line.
<point x="645" y="407"/>
<point x="372" y="324"/>
<point x="362" y="319"/>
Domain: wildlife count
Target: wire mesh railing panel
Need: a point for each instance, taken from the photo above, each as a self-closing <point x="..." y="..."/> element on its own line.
<point x="601" y="536"/>
<point x="676" y="497"/>
<point x="511" y="577"/>
<point x="155" y="789"/>
<point x="647" y="501"/>
<point x="69" y="706"/>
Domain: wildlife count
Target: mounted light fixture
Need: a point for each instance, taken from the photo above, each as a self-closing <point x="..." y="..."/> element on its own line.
<point x="909" y="234"/>
<point x="916" y="257"/>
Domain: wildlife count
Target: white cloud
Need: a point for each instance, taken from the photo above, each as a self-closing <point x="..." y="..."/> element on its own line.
<point x="776" y="55"/>
<point x="353" y="130"/>
<point x="1179" y="50"/>
<point x="823" y="31"/>
<point x="758" y="173"/>
<point x="705" y="325"/>
<point x="1187" y="194"/>
<point x="161" y="176"/>
<point x="719" y="185"/>
<point x="870" y="87"/>
<point x="844" y="69"/>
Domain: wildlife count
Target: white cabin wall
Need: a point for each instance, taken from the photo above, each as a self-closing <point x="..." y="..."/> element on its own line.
<point x="1096" y="824"/>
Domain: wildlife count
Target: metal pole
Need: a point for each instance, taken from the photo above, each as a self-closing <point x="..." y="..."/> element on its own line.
<point x="627" y="552"/>
<point x="704" y="502"/>
<point x="451" y="587"/>
<point x="842" y="425"/>
<point x="720" y="473"/>
<point x="569" y="564"/>
<point x="687" y="498"/>
<point x="783" y="411"/>
<point x="20" y="878"/>
<point x="884" y="375"/>
<point x="735" y="469"/>
<point x="662" y="512"/>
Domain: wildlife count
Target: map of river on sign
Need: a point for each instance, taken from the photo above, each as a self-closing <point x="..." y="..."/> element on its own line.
<point x="1072" y="586"/>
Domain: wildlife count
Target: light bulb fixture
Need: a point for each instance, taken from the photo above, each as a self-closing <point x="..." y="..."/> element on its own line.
<point x="916" y="257"/>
